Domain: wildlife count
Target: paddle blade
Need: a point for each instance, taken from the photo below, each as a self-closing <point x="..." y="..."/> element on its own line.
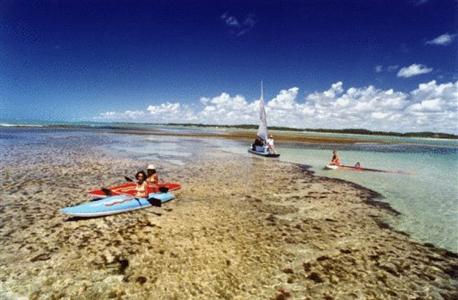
<point x="128" y="179"/>
<point x="107" y="192"/>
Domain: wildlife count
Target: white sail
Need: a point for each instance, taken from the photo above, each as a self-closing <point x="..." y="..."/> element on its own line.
<point x="262" y="130"/>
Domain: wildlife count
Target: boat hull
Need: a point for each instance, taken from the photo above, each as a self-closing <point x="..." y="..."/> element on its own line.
<point x="265" y="154"/>
<point x="115" y="205"/>
<point x="129" y="188"/>
<point x="331" y="167"/>
<point x="353" y="168"/>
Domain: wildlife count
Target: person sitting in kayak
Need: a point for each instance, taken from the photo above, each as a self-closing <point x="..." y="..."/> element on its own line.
<point x="142" y="186"/>
<point x="335" y="160"/>
<point x="358" y="166"/>
<point x="270" y="144"/>
<point x="152" y="179"/>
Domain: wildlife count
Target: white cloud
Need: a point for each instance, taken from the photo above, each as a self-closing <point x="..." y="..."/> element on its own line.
<point x="239" y="27"/>
<point x="284" y="100"/>
<point x="108" y="114"/>
<point x="171" y="112"/>
<point x="164" y="108"/>
<point x="355" y="107"/>
<point x="413" y="70"/>
<point x="121" y="116"/>
<point x="431" y="106"/>
<point x="442" y="40"/>
<point x="435" y="106"/>
<point x="230" y="20"/>
<point x="227" y="109"/>
<point x="433" y="97"/>
<point x="381" y="68"/>
<point x="153" y="113"/>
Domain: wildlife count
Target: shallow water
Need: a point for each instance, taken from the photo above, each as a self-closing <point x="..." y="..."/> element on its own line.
<point x="422" y="183"/>
<point x="426" y="193"/>
<point x="172" y="150"/>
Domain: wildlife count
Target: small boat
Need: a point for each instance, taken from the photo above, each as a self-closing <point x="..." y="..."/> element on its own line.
<point x="331" y="167"/>
<point x="129" y="189"/>
<point x="262" y="131"/>
<point x="264" y="153"/>
<point x="116" y="204"/>
<point x="353" y="168"/>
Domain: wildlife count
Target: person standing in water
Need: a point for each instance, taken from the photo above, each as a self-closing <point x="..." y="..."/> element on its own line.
<point x="270" y="144"/>
<point x="335" y="160"/>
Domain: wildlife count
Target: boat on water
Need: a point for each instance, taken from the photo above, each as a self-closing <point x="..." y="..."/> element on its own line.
<point x="352" y="168"/>
<point x="262" y="134"/>
<point x="263" y="153"/>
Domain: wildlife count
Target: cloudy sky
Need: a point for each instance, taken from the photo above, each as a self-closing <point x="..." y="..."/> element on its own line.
<point x="381" y="65"/>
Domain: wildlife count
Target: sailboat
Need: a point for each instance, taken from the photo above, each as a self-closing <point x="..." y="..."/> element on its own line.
<point x="262" y="133"/>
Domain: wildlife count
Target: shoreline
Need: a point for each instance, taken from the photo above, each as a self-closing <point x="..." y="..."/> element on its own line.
<point x="236" y="135"/>
<point x="377" y="200"/>
<point x="239" y="127"/>
<point x="272" y="229"/>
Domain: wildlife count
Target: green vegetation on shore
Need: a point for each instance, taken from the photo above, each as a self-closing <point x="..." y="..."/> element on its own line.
<point x="143" y="126"/>
<point x="422" y="134"/>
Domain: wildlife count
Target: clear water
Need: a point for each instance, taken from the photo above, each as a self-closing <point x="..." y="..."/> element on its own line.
<point x="422" y="183"/>
<point x="426" y="193"/>
<point x="169" y="149"/>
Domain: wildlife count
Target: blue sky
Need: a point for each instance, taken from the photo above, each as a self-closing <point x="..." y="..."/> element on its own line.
<point x="74" y="60"/>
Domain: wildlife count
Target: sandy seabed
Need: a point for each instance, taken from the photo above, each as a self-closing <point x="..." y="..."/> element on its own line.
<point x="242" y="227"/>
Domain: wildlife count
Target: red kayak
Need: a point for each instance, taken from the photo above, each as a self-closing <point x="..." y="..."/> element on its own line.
<point x="129" y="189"/>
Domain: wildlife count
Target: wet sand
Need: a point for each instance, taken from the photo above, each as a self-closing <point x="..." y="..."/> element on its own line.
<point x="241" y="228"/>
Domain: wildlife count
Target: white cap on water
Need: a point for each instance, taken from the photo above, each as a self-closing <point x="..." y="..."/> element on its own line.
<point x="151" y="167"/>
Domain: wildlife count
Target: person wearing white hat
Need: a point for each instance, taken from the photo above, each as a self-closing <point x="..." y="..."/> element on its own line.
<point x="152" y="178"/>
<point x="270" y="144"/>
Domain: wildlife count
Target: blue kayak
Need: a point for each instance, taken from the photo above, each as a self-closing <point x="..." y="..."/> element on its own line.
<point x="116" y="204"/>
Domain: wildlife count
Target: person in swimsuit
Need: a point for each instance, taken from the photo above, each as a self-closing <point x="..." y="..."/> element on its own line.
<point x="152" y="178"/>
<point x="335" y="160"/>
<point x="142" y="186"/>
<point x="271" y="145"/>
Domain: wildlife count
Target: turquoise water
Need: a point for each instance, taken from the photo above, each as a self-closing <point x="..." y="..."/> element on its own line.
<point x="423" y="184"/>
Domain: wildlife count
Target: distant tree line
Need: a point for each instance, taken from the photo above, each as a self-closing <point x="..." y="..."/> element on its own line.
<point x="422" y="134"/>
